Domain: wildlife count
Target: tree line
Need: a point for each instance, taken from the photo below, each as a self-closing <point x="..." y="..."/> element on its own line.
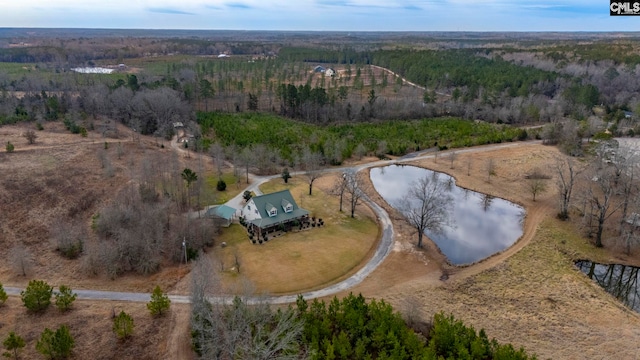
<point x="342" y="141"/>
<point x="347" y="328"/>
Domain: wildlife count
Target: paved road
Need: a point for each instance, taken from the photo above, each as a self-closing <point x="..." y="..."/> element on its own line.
<point x="384" y="247"/>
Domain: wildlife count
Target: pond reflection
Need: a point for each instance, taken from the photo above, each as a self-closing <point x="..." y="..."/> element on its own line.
<point x="618" y="280"/>
<point x="481" y="225"/>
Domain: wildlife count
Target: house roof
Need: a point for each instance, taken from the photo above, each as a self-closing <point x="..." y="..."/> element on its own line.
<point x="223" y="211"/>
<point x="263" y="202"/>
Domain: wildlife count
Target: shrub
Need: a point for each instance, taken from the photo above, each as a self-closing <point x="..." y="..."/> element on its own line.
<point x="13" y="343"/>
<point x="221" y="186"/>
<point x="10" y="147"/>
<point x="3" y="295"/>
<point x="123" y="325"/>
<point x="71" y="250"/>
<point x="37" y="296"/>
<point x="56" y="345"/>
<point x="31" y="136"/>
<point x="159" y="302"/>
<point x="65" y="298"/>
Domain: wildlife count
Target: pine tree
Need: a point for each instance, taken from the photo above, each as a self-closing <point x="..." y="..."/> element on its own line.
<point x="37" y="296"/>
<point x="159" y="302"/>
<point x="56" y="345"/>
<point x="123" y="325"/>
<point x="65" y="298"/>
<point x="13" y="343"/>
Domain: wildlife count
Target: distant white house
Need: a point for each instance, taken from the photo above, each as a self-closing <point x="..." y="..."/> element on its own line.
<point x="329" y="72"/>
<point x="222" y="56"/>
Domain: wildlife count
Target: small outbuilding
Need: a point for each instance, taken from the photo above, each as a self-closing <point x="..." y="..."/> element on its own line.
<point x="223" y="215"/>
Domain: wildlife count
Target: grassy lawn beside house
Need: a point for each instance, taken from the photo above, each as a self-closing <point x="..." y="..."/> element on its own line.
<point x="305" y="260"/>
<point x="220" y="197"/>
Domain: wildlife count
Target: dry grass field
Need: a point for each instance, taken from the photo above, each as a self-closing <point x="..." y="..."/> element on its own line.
<point x="530" y="295"/>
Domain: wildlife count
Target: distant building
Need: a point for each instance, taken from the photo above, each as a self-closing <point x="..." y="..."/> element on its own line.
<point x="222" y="56"/>
<point x="329" y="72"/>
<point x="319" y="69"/>
<point x="628" y="115"/>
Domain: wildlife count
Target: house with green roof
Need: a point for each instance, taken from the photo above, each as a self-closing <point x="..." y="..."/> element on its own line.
<point x="267" y="213"/>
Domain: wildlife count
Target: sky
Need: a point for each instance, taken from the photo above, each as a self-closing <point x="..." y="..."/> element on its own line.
<point x="319" y="15"/>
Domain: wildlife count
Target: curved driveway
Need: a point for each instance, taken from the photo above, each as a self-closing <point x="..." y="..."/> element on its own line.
<point x="384" y="247"/>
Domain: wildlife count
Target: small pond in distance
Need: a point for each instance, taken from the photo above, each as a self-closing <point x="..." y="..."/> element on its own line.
<point x="618" y="280"/>
<point x="480" y="225"/>
<point x="92" y="70"/>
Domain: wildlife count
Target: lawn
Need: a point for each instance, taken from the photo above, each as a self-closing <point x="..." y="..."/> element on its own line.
<point x="306" y="260"/>
<point x="221" y="197"/>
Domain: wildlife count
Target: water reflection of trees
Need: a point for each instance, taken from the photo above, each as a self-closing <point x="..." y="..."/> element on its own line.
<point x="619" y="280"/>
<point x="486" y="201"/>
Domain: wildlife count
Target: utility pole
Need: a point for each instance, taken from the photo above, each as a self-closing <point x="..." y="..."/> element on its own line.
<point x="184" y="246"/>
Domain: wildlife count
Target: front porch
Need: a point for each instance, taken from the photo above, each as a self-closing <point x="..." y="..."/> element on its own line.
<point x="259" y="235"/>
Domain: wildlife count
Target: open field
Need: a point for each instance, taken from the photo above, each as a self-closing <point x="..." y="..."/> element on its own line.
<point x="304" y="260"/>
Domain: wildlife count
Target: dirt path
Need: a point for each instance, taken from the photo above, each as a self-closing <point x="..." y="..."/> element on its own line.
<point x="179" y="342"/>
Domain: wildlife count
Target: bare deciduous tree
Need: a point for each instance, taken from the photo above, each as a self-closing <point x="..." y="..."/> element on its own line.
<point x="340" y="187"/>
<point x="31" y="136"/>
<point x="426" y="205"/>
<point x="624" y="163"/>
<point x="353" y="187"/>
<point x="217" y="154"/>
<point x="238" y="330"/>
<point x="600" y="194"/>
<point x="537" y="186"/>
<point x="452" y="156"/>
<point x="490" y="167"/>
<point x="21" y="259"/>
<point x="246" y="159"/>
<point x="566" y="176"/>
<point x="311" y="163"/>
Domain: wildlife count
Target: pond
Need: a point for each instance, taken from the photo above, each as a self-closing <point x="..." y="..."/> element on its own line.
<point x="479" y="225"/>
<point x="618" y="280"/>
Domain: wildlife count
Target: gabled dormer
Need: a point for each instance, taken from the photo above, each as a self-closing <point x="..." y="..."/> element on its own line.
<point x="271" y="210"/>
<point x="286" y="206"/>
